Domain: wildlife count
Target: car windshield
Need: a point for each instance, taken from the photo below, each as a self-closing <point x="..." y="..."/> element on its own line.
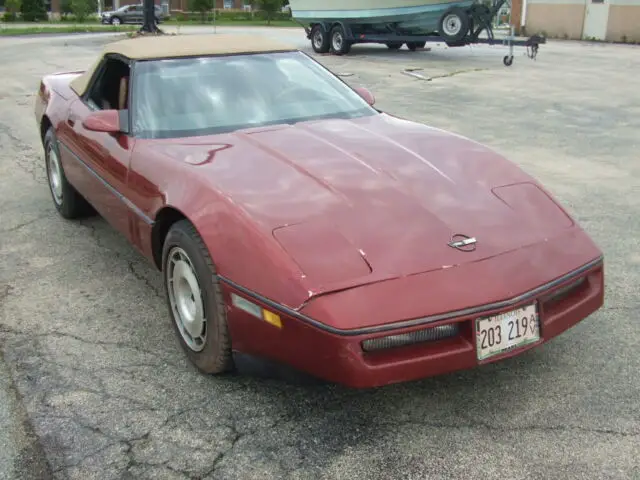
<point x="217" y="94"/>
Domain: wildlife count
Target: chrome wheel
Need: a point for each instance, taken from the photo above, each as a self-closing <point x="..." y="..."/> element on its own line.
<point x="452" y="24"/>
<point x="185" y="298"/>
<point x="115" y="21"/>
<point x="337" y="40"/>
<point x="318" y="39"/>
<point x="55" y="174"/>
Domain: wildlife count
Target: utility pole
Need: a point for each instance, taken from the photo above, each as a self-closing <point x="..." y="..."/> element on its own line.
<point x="149" y="18"/>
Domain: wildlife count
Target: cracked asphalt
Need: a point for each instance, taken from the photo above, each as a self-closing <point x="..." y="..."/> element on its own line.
<point x="93" y="383"/>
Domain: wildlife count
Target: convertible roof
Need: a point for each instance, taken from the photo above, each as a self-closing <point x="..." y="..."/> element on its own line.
<point x="176" y="46"/>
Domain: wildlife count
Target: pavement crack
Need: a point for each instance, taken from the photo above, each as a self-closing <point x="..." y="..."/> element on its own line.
<point x="7" y="329"/>
<point x="24" y="224"/>
<point x="144" y="279"/>
<point x="4" y="293"/>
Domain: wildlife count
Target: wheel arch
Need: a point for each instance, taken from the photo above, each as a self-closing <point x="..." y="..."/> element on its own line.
<point x="165" y="218"/>
<point x="45" y="125"/>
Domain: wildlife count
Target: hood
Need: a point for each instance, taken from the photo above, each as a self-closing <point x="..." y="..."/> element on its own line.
<point x="358" y="201"/>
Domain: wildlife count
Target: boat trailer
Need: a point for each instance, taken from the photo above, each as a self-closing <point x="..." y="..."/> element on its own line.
<point x="459" y="27"/>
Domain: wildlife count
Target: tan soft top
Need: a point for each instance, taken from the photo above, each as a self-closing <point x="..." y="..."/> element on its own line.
<point x="175" y="46"/>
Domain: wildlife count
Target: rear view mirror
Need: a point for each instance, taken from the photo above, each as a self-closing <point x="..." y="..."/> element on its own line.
<point x="366" y="95"/>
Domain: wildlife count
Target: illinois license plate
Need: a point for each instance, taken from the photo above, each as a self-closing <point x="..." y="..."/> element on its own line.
<point x="507" y="331"/>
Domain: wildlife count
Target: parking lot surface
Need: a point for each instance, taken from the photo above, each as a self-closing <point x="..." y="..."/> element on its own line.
<point x="102" y="383"/>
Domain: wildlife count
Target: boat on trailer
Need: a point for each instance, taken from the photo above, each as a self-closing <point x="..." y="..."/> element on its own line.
<point x="335" y="25"/>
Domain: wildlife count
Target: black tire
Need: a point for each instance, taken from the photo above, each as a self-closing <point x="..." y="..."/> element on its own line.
<point x="215" y="357"/>
<point x="338" y="40"/>
<point x="454" y="25"/>
<point x="413" y="46"/>
<point x="394" y="45"/>
<point x="118" y="20"/>
<point x="68" y="202"/>
<point x="507" y="60"/>
<point x="319" y="39"/>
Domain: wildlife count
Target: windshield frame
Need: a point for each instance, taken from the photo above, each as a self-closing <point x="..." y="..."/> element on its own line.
<point x="367" y="109"/>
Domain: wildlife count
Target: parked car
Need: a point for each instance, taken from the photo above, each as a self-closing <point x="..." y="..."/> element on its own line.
<point x="132" y="14"/>
<point x="294" y="222"/>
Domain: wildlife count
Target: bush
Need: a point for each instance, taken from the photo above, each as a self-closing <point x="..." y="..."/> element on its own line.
<point x="65" y="8"/>
<point x="33" y="11"/>
<point x="201" y="6"/>
<point x="269" y="8"/>
<point x="81" y="9"/>
<point x="12" y="7"/>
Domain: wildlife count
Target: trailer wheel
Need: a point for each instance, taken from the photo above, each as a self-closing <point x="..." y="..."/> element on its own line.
<point x="339" y="44"/>
<point x="413" y="46"/>
<point x="454" y="25"/>
<point x="508" y="60"/>
<point x="319" y="39"/>
<point x="394" y="45"/>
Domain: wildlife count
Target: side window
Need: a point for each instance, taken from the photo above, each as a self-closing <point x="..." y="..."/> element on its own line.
<point x="109" y="91"/>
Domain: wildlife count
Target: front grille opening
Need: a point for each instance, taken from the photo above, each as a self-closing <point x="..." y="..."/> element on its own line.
<point x="419" y="336"/>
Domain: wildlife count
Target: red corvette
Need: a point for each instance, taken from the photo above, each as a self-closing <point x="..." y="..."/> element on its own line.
<point x="295" y="223"/>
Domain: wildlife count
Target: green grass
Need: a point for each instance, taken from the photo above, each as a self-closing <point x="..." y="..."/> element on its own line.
<point x="66" y="29"/>
<point x="233" y="23"/>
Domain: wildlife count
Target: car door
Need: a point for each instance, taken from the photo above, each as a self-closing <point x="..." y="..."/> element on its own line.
<point x="136" y="14"/>
<point x="97" y="163"/>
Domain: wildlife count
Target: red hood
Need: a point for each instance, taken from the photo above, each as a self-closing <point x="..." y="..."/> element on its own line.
<point x="357" y="201"/>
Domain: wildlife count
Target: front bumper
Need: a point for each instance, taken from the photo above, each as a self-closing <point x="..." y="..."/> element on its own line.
<point x="342" y="359"/>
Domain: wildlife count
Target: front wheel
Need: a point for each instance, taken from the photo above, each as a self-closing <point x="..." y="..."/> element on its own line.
<point x="116" y="21"/>
<point x="319" y="39"/>
<point x="454" y="25"/>
<point x="195" y="301"/>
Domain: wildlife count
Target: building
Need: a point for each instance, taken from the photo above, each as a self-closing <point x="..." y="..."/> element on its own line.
<point x="610" y="20"/>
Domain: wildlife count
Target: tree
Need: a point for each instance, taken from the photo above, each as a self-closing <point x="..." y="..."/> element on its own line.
<point x="65" y="8"/>
<point x="269" y="7"/>
<point x="33" y="10"/>
<point x="82" y="8"/>
<point x="12" y="7"/>
<point x="202" y="6"/>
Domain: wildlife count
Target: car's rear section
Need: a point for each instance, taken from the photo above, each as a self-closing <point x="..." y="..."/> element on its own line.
<point x="53" y="92"/>
<point x="426" y="324"/>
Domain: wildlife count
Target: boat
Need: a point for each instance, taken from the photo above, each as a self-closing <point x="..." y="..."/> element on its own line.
<point x="333" y="26"/>
<point x="414" y="17"/>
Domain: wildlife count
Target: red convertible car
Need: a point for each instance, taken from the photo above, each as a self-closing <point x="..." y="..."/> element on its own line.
<point x="295" y="223"/>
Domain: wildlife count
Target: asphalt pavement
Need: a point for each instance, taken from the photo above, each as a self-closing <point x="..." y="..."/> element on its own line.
<point x="93" y="383"/>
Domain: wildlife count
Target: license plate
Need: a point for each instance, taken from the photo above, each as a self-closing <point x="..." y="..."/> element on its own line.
<point x="507" y="331"/>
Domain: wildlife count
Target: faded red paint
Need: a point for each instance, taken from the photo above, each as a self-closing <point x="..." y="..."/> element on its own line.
<point x="346" y="222"/>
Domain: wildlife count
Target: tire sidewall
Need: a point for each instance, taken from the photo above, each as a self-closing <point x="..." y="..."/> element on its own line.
<point x="206" y="359"/>
<point x="464" y="27"/>
<point x="50" y="142"/>
<point x="324" y="48"/>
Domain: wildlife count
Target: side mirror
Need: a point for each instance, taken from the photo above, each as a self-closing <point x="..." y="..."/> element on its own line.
<point x="107" y="121"/>
<point x="366" y="95"/>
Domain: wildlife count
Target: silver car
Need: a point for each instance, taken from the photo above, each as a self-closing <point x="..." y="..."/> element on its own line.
<point x="131" y="14"/>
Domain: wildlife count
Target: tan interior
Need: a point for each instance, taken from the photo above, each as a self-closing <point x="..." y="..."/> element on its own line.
<point x="122" y="94"/>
